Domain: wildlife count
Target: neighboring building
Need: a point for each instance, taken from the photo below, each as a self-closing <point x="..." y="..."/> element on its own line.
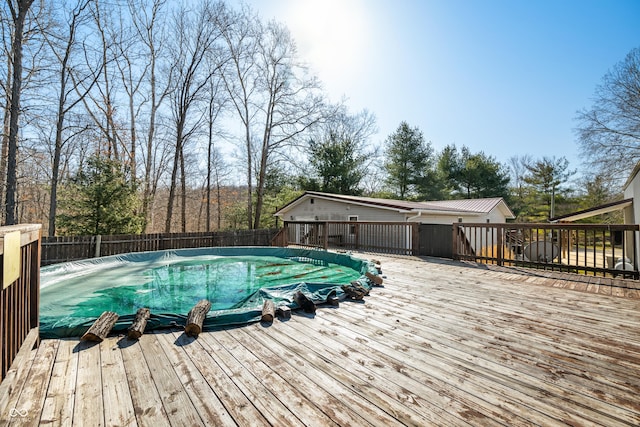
<point x="630" y="210"/>
<point x="632" y="191"/>
<point x="316" y="206"/>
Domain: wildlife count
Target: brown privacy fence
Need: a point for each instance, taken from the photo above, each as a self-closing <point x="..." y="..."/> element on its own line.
<point x="384" y="237"/>
<point x="591" y="249"/>
<point x="72" y="248"/>
<point x="19" y="296"/>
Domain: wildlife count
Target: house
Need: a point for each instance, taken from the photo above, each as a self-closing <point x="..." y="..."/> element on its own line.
<point x="630" y="211"/>
<point x="385" y="222"/>
<point x="316" y="206"/>
<point x="631" y="190"/>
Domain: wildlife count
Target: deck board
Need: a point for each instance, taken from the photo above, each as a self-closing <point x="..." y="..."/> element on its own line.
<point x="441" y="343"/>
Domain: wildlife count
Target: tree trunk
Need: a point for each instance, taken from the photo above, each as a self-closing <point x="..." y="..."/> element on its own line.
<point x="268" y="311"/>
<point x="174" y="178"/>
<point x="14" y="109"/>
<point x="183" y="190"/>
<point x="101" y="327"/>
<point x="303" y="302"/>
<point x="139" y="324"/>
<point x="196" y="317"/>
<point x="209" y="167"/>
<point x="249" y="177"/>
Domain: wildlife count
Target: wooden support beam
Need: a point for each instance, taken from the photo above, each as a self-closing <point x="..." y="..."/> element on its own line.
<point x="139" y="324"/>
<point x="101" y="327"/>
<point x="196" y="317"/>
<point x="268" y="311"/>
<point x="305" y="303"/>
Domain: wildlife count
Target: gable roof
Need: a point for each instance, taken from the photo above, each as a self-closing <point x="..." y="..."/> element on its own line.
<point x="452" y="207"/>
<point x="596" y="210"/>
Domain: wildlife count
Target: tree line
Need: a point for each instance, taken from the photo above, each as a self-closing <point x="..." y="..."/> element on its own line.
<point x="149" y="115"/>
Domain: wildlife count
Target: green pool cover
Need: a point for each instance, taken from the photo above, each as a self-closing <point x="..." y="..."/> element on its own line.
<point x="236" y="280"/>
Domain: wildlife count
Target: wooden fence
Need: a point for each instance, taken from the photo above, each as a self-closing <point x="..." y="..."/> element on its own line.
<point x="72" y="248"/>
<point x="19" y="292"/>
<point x="591" y="249"/>
<point x="384" y="237"/>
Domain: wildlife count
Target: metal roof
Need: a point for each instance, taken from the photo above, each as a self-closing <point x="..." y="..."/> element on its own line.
<point x="469" y="206"/>
<point x="597" y="210"/>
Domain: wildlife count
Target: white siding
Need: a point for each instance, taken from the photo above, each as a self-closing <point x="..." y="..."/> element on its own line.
<point x="632" y="214"/>
<point x="329" y="210"/>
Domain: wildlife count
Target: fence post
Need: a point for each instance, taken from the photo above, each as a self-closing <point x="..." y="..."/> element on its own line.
<point x="500" y="243"/>
<point x="98" y="242"/>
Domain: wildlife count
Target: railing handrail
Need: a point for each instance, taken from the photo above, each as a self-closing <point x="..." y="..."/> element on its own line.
<point x="580" y="248"/>
<point x="353" y="235"/>
<point x="20" y="299"/>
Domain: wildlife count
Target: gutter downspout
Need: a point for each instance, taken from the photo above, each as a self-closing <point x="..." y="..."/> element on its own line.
<point x="415" y="216"/>
<point x="408" y="237"/>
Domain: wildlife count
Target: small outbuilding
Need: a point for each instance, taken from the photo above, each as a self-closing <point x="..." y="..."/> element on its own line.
<point x="317" y="206"/>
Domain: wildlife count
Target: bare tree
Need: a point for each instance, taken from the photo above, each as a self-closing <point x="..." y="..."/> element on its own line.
<point x="100" y="103"/>
<point x="241" y="83"/>
<point x="215" y="164"/>
<point x="609" y="132"/>
<point x="292" y="103"/>
<point x="62" y="42"/>
<point x="273" y="95"/>
<point x="19" y="10"/>
<point x="195" y="38"/>
<point x="147" y="19"/>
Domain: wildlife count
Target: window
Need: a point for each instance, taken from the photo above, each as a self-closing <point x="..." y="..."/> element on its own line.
<point x="352" y="228"/>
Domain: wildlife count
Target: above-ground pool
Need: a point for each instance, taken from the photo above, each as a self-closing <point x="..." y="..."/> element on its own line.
<point x="236" y="280"/>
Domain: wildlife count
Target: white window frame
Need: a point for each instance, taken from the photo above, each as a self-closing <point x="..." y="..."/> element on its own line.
<point x="352" y="228"/>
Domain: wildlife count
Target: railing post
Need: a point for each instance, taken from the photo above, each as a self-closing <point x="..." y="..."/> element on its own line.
<point x="325" y="235"/>
<point x="455" y="241"/>
<point x="415" y="239"/>
<point x="500" y="243"/>
<point x="356" y="229"/>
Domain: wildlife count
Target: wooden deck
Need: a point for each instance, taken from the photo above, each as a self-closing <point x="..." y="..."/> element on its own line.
<point x="442" y="343"/>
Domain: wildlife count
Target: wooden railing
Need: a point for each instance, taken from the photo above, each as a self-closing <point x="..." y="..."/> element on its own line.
<point x="71" y="248"/>
<point x="19" y="298"/>
<point x="385" y="237"/>
<point x="591" y="249"/>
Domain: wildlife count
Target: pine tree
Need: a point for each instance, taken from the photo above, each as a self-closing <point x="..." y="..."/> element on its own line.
<point x="99" y="201"/>
<point x="408" y="161"/>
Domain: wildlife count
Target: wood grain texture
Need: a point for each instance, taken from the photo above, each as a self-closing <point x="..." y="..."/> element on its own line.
<point x="442" y="343"/>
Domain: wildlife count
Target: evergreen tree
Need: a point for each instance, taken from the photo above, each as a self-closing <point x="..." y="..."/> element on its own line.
<point x="408" y="162"/>
<point x="337" y="166"/>
<point x="468" y="175"/>
<point x="99" y="201"/>
<point x="546" y="177"/>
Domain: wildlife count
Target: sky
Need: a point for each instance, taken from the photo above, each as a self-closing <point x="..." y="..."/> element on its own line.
<point x="505" y="77"/>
